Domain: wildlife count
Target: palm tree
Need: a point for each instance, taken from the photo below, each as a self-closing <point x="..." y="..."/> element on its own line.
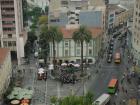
<point x="53" y="34"/>
<point x="82" y="35"/>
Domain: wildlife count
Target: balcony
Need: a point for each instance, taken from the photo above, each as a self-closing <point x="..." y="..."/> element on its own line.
<point x="8" y="19"/>
<point x="8" y="6"/>
<point x="7" y="12"/>
<point x="8" y="25"/>
<point x="9" y="32"/>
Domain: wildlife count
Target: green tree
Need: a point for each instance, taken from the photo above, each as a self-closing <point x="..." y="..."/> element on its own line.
<point x="82" y="35"/>
<point x="45" y="48"/>
<point x="73" y="100"/>
<point x="43" y="19"/>
<point x="53" y="34"/>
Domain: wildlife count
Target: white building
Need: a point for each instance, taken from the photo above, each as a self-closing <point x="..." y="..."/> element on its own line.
<point x="38" y="3"/>
<point x="136" y="32"/>
<point x="5" y="70"/>
<point x="12" y="32"/>
<point x="68" y="50"/>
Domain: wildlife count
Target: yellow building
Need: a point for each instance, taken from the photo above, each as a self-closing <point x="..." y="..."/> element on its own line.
<point x="5" y="69"/>
<point x="121" y="15"/>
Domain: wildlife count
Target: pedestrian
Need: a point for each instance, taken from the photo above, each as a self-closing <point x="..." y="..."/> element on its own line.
<point x="122" y="88"/>
<point x="126" y="91"/>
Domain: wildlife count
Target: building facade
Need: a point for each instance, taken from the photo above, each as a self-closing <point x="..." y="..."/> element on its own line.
<point x="12" y="32"/>
<point x="5" y="69"/>
<point x="70" y="14"/>
<point x="117" y="16"/>
<point x="136" y="32"/>
<point x="38" y="3"/>
<point x="68" y="50"/>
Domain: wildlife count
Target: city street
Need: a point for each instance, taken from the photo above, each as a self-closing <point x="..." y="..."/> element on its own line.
<point x="97" y="83"/>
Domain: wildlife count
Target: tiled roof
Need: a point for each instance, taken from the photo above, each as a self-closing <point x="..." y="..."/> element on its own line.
<point x="67" y="33"/>
<point x="3" y="54"/>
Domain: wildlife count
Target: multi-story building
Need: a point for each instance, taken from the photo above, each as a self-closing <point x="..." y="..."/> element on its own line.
<point x="12" y="32"/>
<point x="70" y="14"/>
<point x="118" y="15"/>
<point x="5" y="70"/>
<point x="38" y="3"/>
<point x="136" y="32"/>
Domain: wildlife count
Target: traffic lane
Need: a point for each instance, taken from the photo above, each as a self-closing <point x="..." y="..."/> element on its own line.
<point x="101" y="82"/>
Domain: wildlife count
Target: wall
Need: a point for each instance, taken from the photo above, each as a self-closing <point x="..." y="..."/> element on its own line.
<point x="5" y="73"/>
<point x="91" y="18"/>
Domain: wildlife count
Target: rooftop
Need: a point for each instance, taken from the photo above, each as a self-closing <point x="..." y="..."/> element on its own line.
<point x="117" y="8"/>
<point x="112" y="83"/>
<point x="67" y="33"/>
<point x="3" y="54"/>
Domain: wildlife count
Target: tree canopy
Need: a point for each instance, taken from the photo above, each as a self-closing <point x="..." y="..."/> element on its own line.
<point x="82" y="34"/>
<point x="43" y="19"/>
<point x="73" y="100"/>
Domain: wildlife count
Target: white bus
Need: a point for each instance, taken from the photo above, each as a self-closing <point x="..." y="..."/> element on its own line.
<point x="104" y="99"/>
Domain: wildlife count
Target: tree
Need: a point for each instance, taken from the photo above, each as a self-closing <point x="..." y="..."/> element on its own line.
<point x="53" y="34"/>
<point x="43" y="19"/>
<point x="45" y="48"/>
<point x="82" y="35"/>
<point x="73" y="100"/>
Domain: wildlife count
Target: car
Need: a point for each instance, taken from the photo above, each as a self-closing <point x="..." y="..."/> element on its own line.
<point x="111" y="43"/>
<point x="110" y="52"/>
<point x="110" y="47"/>
<point x="120" y="38"/>
<point x="109" y="59"/>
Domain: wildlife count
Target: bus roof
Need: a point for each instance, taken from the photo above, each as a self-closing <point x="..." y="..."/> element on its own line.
<point x="103" y="98"/>
<point x="112" y="83"/>
<point x="117" y="55"/>
<point x="132" y="101"/>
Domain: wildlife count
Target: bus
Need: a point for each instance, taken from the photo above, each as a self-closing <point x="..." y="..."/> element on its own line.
<point x="132" y="101"/>
<point x="104" y="99"/>
<point x="117" y="58"/>
<point x="112" y="86"/>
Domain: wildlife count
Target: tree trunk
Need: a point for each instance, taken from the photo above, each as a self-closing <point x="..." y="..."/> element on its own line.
<point x="54" y="54"/>
<point x="82" y="73"/>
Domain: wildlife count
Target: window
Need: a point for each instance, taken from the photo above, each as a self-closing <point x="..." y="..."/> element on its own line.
<point x="90" y="52"/>
<point x="66" y="43"/>
<point x="78" y="44"/>
<point x="78" y="52"/>
<point x="66" y="53"/>
<point x="5" y="44"/>
<point x="136" y="19"/>
<point x="64" y="2"/>
<point x="136" y="5"/>
<point x="111" y="15"/>
<point x="136" y="12"/>
<point x="54" y="20"/>
<point x="9" y="35"/>
<point x="9" y="43"/>
<point x="13" y="43"/>
<point x="90" y="44"/>
<point x="137" y="42"/>
<point x="79" y="8"/>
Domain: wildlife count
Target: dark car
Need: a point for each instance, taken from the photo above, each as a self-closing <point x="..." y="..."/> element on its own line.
<point x="111" y="47"/>
<point x="110" y="50"/>
<point x="116" y="35"/>
<point x="109" y="59"/>
<point x="120" y="38"/>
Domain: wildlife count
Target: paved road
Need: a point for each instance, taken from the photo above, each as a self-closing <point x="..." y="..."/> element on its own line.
<point x="107" y="72"/>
